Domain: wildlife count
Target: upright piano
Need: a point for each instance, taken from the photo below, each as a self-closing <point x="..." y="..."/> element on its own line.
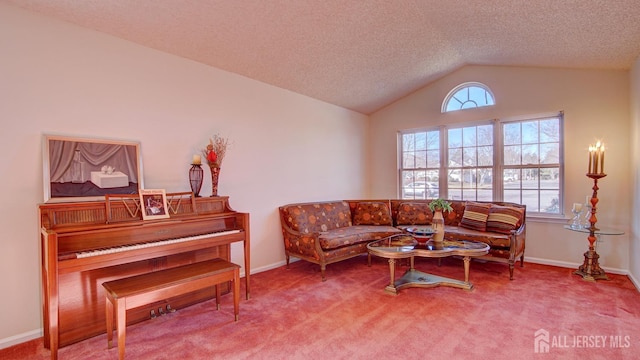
<point x="87" y="243"/>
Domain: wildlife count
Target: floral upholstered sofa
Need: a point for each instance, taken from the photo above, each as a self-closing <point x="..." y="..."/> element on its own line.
<point x="327" y="232"/>
<point x="332" y="231"/>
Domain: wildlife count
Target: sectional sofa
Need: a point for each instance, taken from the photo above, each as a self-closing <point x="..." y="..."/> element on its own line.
<point x="332" y="231"/>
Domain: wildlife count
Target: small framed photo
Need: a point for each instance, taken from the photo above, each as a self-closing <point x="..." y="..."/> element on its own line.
<point x="154" y="204"/>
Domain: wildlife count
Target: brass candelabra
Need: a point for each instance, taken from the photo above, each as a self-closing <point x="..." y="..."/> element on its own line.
<point x="590" y="269"/>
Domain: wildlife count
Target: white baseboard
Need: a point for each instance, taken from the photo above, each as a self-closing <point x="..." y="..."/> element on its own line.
<point x="20" y="338"/>
<point x="634" y="281"/>
<point x="571" y="265"/>
<point x="563" y="264"/>
<point x="270" y="266"/>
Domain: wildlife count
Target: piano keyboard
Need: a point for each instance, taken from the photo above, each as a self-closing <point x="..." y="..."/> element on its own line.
<point x="86" y="254"/>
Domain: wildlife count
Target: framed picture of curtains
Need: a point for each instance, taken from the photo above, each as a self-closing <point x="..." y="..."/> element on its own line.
<point x="83" y="169"/>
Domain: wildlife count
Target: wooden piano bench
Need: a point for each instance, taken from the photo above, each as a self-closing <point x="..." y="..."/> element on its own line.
<point x="131" y="292"/>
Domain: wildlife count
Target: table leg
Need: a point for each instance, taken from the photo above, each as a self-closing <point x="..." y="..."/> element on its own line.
<point x="412" y="262"/>
<point x="217" y="288"/>
<point x="121" y="324"/>
<point x="392" y="271"/>
<point x="109" y="315"/>
<point x="236" y="293"/>
<point x="467" y="260"/>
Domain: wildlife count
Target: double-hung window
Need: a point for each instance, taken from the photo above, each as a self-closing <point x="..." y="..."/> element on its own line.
<point x="512" y="160"/>
<point x="470" y="162"/>
<point x="532" y="174"/>
<point x="420" y="164"/>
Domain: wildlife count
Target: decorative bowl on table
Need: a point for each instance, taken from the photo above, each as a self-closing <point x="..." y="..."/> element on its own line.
<point x="401" y="240"/>
<point x="425" y="230"/>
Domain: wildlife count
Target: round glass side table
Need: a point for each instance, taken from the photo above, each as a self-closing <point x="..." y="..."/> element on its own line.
<point x="590" y="270"/>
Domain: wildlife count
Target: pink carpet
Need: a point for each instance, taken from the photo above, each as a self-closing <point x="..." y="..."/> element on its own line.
<point x="292" y="314"/>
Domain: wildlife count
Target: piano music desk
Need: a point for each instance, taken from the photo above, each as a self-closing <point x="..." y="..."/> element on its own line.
<point x="144" y="289"/>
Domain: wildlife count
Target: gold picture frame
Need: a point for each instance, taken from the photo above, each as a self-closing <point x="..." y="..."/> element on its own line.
<point x="85" y="169"/>
<point x="154" y="204"/>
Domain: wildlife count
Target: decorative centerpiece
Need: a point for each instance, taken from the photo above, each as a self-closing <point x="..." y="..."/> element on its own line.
<point x="214" y="153"/>
<point x="437" y="206"/>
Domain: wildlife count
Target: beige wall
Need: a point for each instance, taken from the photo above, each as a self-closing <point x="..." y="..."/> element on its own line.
<point x="634" y="261"/>
<point x="596" y="106"/>
<point x="61" y="79"/>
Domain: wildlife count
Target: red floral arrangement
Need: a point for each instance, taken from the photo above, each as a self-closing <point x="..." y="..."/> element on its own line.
<point x="215" y="150"/>
<point x="211" y="154"/>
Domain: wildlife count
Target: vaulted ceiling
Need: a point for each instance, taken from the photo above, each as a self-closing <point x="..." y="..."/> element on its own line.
<point x="365" y="54"/>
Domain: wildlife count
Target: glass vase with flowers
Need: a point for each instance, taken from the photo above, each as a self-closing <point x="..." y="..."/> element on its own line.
<point x="214" y="154"/>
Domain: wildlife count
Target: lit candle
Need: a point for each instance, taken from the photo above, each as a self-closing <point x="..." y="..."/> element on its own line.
<point x="590" y="158"/>
<point x="597" y="157"/>
<point x="602" y="160"/>
<point x="196" y="160"/>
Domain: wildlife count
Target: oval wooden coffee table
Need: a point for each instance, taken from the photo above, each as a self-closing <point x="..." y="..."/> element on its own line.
<point x="403" y="246"/>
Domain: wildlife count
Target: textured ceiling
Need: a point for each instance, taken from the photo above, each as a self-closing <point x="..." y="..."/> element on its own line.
<point x="365" y="54"/>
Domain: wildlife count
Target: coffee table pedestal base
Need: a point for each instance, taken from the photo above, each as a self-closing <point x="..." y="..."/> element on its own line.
<point x="398" y="247"/>
<point x="415" y="278"/>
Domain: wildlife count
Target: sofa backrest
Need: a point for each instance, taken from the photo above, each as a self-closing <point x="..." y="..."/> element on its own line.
<point x="416" y="212"/>
<point x="371" y="212"/>
<point x="316" y="217"/>
<point x="323" y="216"/>
<point x="412" y="213"/>
<point x="453" y="218"/>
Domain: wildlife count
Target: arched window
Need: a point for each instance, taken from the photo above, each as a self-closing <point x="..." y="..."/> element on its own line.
<point x="468" y="95"/>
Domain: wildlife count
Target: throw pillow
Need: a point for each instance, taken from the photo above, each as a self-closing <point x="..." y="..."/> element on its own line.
<point x="475" y="216"/>
<point x="503" y="219"/>
<point x="414" y="213"/>
<point x="372" y="213"/>
<point x="317" y="217"/>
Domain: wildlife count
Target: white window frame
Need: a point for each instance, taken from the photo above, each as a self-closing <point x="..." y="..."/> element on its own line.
<point x="467" y="169"/>
<point x="489" y="100"/>
<point x="540" y="166"/>
<point x="498" y="167"/>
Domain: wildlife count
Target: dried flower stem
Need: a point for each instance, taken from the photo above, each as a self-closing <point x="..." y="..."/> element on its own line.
<point x="218" y="145"/>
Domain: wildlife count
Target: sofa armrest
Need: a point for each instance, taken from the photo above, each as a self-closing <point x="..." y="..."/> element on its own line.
<point x="301" y="245"/>
<point x="517" y="241"/>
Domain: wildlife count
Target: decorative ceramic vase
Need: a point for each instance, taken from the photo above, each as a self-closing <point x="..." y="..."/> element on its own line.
<point x="437" y="223"/>
<point x="215" y="173"/>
